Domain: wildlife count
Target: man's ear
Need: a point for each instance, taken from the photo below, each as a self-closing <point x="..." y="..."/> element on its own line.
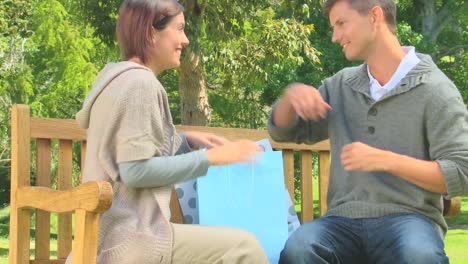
<point x="377" y="15"/>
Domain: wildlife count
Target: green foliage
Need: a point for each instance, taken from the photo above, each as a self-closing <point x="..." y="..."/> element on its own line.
<point x="61" y="56"/>
<point x="248" y="52"/>
<point x="5" y="183"/>
<point x="330" y="56"/>
<point x="218" y="20"/>
<point x="49" y="59"/>
<point x="15" y="77"/>
<point x="101" y="14"/>
<point x="250" y="71"/>
<point x="170" y="80"/>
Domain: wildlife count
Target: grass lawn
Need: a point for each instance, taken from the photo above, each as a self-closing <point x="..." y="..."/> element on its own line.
<point x="4" y="218"/>
<point x="456" y="241"/>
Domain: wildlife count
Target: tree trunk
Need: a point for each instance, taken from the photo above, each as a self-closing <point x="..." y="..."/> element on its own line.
<point x="433" y="20"/>
<point x="193" y="94"/>
<point x="428" y="17"/>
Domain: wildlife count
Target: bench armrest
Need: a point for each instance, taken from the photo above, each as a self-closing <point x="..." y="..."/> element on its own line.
<point x="93" y="196"/>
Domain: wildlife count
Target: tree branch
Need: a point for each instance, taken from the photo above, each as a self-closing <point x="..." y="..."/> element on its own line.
<point x="450" y="50"/>
<point x="443" y="17"/>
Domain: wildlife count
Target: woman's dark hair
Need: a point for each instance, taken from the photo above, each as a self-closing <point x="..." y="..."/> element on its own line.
<point x="136" y="20"/>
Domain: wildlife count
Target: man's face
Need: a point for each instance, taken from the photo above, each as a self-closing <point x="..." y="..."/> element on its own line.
<point x="353" y="31"/>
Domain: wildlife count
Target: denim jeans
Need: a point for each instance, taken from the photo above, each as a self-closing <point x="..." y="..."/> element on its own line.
<point x="399" y="238"/>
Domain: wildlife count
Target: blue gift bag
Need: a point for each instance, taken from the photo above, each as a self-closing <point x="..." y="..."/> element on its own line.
<point x="249" y="196"/>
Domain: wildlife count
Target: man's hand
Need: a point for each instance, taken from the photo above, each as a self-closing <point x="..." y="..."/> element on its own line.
<point x="358" y="156"/>
<point x="307" y="101"/>
<point x="426" y="174"/>
<point x="204" y="140"/>
<point x="302" y="99"/>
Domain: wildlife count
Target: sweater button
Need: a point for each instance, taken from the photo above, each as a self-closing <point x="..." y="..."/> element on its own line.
<point x="371" y="130"/>
<point x="373" y="112"/>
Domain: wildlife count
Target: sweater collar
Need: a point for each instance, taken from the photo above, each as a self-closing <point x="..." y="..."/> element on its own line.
<point x="359" y="81"/>
<point x="104" y="78"/>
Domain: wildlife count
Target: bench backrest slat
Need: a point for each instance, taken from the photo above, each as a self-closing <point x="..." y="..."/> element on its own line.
<point x="43" y="178"/>
<point x="64" y="182"/>
<point x="50" y="261"/>
<point x="56" y="129"/>
<point x="20" y="177"/>
<point x="307" y="202"/>
<point x="82" y="159"/>
<point x="324" y="174"/>
<point x="288" y="167"/>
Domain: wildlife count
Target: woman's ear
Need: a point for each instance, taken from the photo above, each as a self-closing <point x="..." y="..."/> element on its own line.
<point x="154" y="36"/>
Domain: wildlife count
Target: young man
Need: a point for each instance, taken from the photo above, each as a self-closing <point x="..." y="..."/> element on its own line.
<point x="398" y="129"/>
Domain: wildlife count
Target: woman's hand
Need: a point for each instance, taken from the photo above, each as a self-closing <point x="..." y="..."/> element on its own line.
<point x="204" y="140"/>
<point x="231" y="152"/>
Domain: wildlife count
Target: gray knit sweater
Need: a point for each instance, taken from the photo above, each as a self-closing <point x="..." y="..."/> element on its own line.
<point x="423" y="117"/>
<point x="127" y="118"/>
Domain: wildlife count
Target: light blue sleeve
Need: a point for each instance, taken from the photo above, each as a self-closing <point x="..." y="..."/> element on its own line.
<point x="161" y="171"/>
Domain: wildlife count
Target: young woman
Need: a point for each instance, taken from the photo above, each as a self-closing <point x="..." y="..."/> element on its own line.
<point x="133" y="144"/>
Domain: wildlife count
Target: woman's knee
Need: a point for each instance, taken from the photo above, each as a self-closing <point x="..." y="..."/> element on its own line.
<point x="247" y="249"/>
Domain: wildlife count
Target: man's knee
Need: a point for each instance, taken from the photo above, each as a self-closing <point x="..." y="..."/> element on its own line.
<point x="304" y="249"/>
<point x="423" y="255"/>
<point x="293" y="251"/>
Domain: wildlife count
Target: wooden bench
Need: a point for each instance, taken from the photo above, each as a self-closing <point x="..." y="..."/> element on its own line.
<point x="56" y="139"/>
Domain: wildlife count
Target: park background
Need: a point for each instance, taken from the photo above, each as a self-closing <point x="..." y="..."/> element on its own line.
<point x="241" y="56"/>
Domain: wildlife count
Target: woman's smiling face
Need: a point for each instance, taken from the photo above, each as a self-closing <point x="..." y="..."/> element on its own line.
<point x="168" y="44"/>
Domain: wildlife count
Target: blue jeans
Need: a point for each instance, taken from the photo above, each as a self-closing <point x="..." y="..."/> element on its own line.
<point x="399" y="238"/>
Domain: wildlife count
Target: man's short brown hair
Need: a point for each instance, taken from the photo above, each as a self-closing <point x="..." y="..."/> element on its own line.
<point x="136" y="20"/>
<point x="363" y="7"/>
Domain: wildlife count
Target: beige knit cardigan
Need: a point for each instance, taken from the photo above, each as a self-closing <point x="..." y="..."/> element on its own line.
<point x="127" y="118"/>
